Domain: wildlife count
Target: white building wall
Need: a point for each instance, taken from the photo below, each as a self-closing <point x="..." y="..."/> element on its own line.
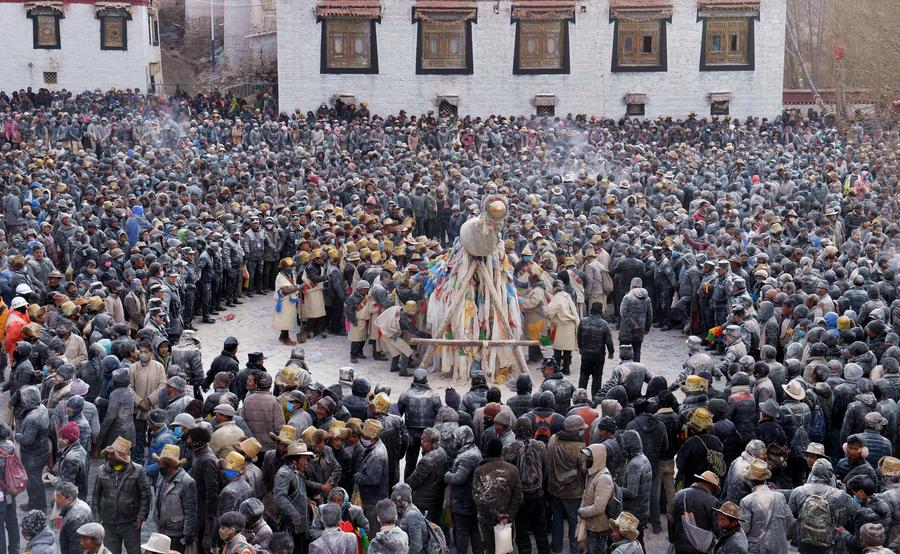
<point x="590" y="87"/>
<point x="80" y="64"/>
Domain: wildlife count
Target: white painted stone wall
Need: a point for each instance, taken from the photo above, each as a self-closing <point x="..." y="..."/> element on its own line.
<point x="250" y="42"/>
<point x="590" y="87"/>
<point x="80" y="64"/>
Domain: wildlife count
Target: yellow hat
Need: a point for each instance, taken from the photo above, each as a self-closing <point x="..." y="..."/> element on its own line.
<point x="890" y="466"/>
<point x="381" y="402"/>
<point x="350" y="246"/>
<point x="312" y="436"/>
<point x="288" y="434"/>
<point x="249" y="448"/>
<point x="233" y="461"/>
<point x="376" y="257"/>
<point x="121" y="447"/>
<point x="695" y="383"/>
<point x="171" y="454"/>
<point x="304" y="257"/>
<point x="68" y="308"/>
<point x="316" y="253"/>
<point x="287" y="377"/>
<point x="388" y="245"/>
<point x="371" y="429"/>
<point x="364" y="251"/>
<point x="701" y="419"/>
<point x="390" y="265"/>
<point x="410" y="307"/>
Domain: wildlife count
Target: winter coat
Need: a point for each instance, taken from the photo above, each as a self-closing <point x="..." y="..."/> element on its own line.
<point x="735" y="487"/>
<point x="854" y="418"/>
<point x="637" y="478"/>
<point x="291" y="500"/>
<point x="389" y="540"/>
<point x="496" y="490"/>
<point x="475" y="398"/>
<point x="225" y="361"/>
<point x="263" y="414"/>
<point x="691" y="459"/>
<point x="654" y="436"/>
<point x="35" y="448"/>
<point x="699" y="502"/>
<point x="594" y="337"/>
<point x="533" y="304"/>
<point x="631" y="376"/>
<point x="372" y="474"/>
<point x="767" y="519"/>
<point x="146" y="383"/>
<point x="598" y="490"/>
<point x="321" y="470"/>
<point x="414" y="525"/>
<point x="232" y="494"/>
<point x="176" y="505"/>
<point x="427" y="480"/>
<point x="562" y="390"/>
<point x="334" y="541"/>
<point x="636" y="315"/>
<point x="226" y="435"/>
<point x="520" y="404"/>
<point x="734" y="542"/>
<point x="563" y="316"/>
<point x="205" y="473"/>
<point x="120" y="497"/>
<point x="73" y="467"/>
<point x="461" y="475"/>
<point x="186" y="353"/>
<point x="158" y="441"/>
<point x="74" y="515"/>
<point x="42" y="543"/>
<point x="565" y="468"/>
<point x="821" y="482"/>
<point x="419" y="406"/>
<point x="356" y="402"/>
<point x="743" y="411"/>
<point x="119" y="418"/>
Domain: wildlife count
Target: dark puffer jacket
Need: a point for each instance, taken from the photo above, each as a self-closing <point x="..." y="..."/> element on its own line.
<point x="186" y="354"/>
<point x="419" y="406"/>
<point x="594" y="336"/>
<point x="120" y="497"/>
<point x="463" y="471"/>
<point x="637" y="478"/>
<point x="521" y="402"/>
<point x="562" y="391"/>
<point x="356" y="403"/>
<point x="119" y="418"/>
<point x="654" y="436"/>
<point x="637" y="316"/>
<point x="427" y="480"/>
<point x="35" y="426"/>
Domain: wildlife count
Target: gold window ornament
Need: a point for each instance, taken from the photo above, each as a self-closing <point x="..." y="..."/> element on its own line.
<point x="541" y="44"/>
<point x="726" y="41"/>
<point x="47" y="31"/>
<point x="444" y="44"/>
<point x="348" y="43"/>
<point x="638" y="43"/>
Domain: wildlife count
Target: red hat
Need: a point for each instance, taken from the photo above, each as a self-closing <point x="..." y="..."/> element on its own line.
<point x="70" y="432"/>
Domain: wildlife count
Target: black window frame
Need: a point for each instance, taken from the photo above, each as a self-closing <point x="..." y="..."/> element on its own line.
<point x="751" y="44"/>
<point x="373" y="50"/>
<point x="48" y="12"/>
<point x="469" y="69"/>
<point x="566" y="68"/>
<point x="642" y="112"/>
<point x="106" y="14"/>
<point x="661" y="67"/>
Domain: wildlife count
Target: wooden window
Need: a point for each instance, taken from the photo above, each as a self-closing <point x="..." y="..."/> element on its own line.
<point x="446" y="109"/>
<point x="46" y="29"/>
<point x="50" y="78"/>
<point x="542" y="45"/>
<point x="348" y="44"/>
<point x="635" y="109"/>
<point x="727" y="41"/>
<point x="113" y="32"/>
<point x="639" y="43"/>
<point x="444" y="45"/>
<point x="545" y="111"/>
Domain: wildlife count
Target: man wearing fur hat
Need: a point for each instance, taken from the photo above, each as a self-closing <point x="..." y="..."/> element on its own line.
<point x="176" y="499"/>
<point x="290" y="494"/>
<point x="121" y="498"/>
<point x="236" y="489"/>
<point x="623" y="535"/>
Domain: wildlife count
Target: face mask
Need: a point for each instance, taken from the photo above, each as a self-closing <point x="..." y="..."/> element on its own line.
<point x="230" y="474"/>
<point x="289" y="406"/>
<point x="527" y="258"/>
<point x="366" y="442"/>
<point x="46" y="370"/>
<point x="177" y="431"/>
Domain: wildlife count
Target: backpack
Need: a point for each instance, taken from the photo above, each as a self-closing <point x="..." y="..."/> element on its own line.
<point x="715" y="459"/>
<point x="614" y="505"/>
<point x="542" y="431"/>
<point x="14" y="476"/>
<point x="437" y="543"/>
<point x="528" y="463"/>
<point x="815" y="524"/>
<point x="817" y="425"/>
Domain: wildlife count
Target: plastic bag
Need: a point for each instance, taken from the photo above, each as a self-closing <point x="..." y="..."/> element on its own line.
<point x="503" y="538"/>
<point x="356" y="498"/>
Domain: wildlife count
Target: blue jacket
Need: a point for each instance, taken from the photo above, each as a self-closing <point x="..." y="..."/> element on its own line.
<point x="161" y="438"/>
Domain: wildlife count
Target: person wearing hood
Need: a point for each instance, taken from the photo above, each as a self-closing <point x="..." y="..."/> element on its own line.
<point x="636" y="314"/>
<point x="35" y="449"/>
<point x="160" y="437"/>
<point x="22" y="375"/>
<point x="427" y="480"/>
<point x="637" y="479"/>
<point x="356" y="401"/>
<point x="349" y="513"/>
<point x="598" y="491"/>
<point x="520" y="404"/>
<point x="864" y="402"/>
<point x="118" y="420"/>
<point x="810" y="538"/>
<point x="39" y="538"/>
<point x="419" y="406"/>
<point x="594" y="341"/>
<point x="91" y="370"/>
<point x="120" y="499"/>
<point x="476" y="397"/>
<point x="735" y="487"/>
<point x="460" y="478"/>
<point x="565" y="477"/>
<point x="390" y="538"/>
<point x="332" y="539"/>
<point x="73" y="464"/>
<point x="411" y="520"/>
<point x="654" y="442"/>
<point x="204" y="471"/>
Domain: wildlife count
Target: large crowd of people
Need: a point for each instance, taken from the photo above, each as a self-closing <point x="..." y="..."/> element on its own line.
<point x="772" y="245"/>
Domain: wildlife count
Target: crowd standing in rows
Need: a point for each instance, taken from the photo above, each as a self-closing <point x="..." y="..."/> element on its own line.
<point x="127" y="218"/>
